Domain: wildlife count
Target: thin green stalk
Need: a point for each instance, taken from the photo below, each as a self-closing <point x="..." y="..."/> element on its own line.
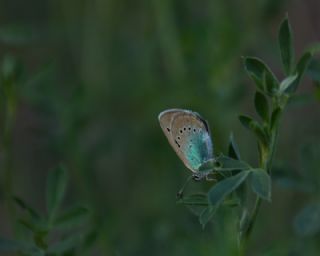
<point x="246" y="236"/>
<point x="266" y="164"/>
<point x="193" y="203"/>
<point x="274" y="140"/>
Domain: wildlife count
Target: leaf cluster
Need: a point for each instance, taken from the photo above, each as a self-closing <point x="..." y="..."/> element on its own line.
<point x="233" y="175"/>
<point x="45" y="228"/>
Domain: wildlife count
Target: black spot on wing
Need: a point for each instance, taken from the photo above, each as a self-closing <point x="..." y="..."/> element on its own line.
<point x="177" y="143"/>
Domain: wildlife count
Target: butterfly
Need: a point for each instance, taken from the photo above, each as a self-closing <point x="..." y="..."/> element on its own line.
<point x="189" y="135"/>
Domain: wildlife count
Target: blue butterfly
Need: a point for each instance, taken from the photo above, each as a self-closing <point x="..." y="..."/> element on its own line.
<point x="189" y="135"/>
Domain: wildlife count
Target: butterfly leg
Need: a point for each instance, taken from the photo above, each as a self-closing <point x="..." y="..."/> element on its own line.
<point x="180" y="192"/>
<point x="210" y="177"/>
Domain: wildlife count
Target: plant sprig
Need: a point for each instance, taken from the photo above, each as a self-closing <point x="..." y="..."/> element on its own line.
<point x="270" y="101"/>
<point x="42" y="227"/>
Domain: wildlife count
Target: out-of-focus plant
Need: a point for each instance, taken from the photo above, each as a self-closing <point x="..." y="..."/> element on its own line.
<point x="235" y="177"/>
<point x="313" y="70"/>
<point x="307" y="221"/>
<point x="304" y="180"/>
<point x="54" y="233"/>
<point x="10" y="79"/>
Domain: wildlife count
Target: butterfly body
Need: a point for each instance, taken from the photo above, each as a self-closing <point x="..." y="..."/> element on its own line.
<point x="189" y="135"/>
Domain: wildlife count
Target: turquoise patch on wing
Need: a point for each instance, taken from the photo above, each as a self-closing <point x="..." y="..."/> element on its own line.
<point x="198" y="149"/>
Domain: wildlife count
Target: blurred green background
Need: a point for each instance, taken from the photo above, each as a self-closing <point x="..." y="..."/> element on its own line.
<point x="93" y="77"/>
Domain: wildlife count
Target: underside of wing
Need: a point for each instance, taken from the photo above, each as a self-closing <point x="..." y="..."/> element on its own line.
<point x="165" y="119"/>
<point x="189" y="136"/>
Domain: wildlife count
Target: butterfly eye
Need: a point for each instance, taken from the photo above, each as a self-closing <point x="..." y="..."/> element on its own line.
<point x="217" y="164"/>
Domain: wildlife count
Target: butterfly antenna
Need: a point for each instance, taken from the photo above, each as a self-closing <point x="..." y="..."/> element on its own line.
<point x="180" y="192"/>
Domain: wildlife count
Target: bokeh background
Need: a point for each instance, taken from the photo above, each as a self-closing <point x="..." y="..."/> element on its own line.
<point x="93" y="77"/>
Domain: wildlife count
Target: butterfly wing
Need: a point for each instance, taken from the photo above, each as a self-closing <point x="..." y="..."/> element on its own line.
<point x="165" y="119"/>
<point x="189" y="136"/>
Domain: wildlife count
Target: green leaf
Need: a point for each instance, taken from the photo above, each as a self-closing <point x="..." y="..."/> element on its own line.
<point x="271" y="87"/>
<point x="303" y="64"/>
<point x="35" y="226"/>
<point x="65" y="244"/>
<point x="225" y="163"/>
<point x="197" y="203"/>
<point x="194" y="199"/>
<point x="73" y="217"/>
<point x="314" y="48"/>
<point x="261" y="183"/>
<point x="286" y="46"/>
<point x="56" y="185"/>
<point x="233" y="149"/>
<point x="34" y="221"/>
<point x="23" y="205"/>
<point x="196" y="209"/>
<point x="241" y="194"/>
<point x="206" y="215"/>
<point x="261" y="105"/>
<point x="300" y="70"/>
<point x="255" y="127"/>
<point x="246" y="121"/>
<point x="307" y="221"/>
<point x="286" y="83"/>
<point x="219" y="191"/>
<point x="260" y="74"/>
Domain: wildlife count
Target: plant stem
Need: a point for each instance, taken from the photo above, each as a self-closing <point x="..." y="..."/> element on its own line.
<point x="266" y="164"/>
